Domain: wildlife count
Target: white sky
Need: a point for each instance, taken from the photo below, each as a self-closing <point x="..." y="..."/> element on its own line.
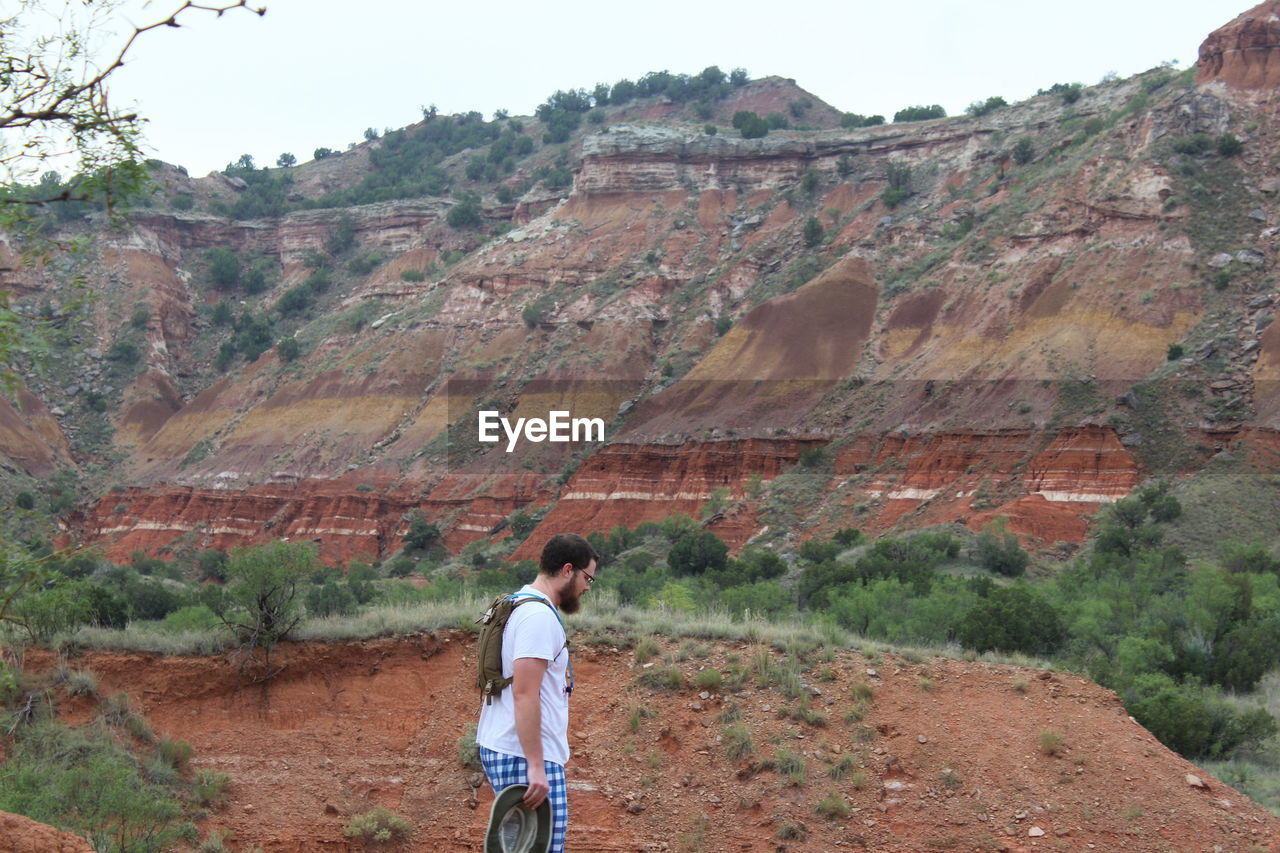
<point x="316" y="73"/>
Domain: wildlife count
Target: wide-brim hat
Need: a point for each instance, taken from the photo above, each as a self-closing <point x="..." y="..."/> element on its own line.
<point x="516" y="828"/>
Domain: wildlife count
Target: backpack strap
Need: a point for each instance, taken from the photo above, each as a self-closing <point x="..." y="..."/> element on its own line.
<point x="518" y="598"/>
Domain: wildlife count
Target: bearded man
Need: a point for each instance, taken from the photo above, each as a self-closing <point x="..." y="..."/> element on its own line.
<point x="523" y="732"/>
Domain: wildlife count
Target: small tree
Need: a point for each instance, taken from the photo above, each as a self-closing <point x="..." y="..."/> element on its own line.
<point x="262" y="591"/>
<point x="919" y="113"/>
<point x="224" y="267"/>
<point x="286" y="160"/>
<point x="997" y="550"/>
<point x="696" y="553"/>
<point x="809" y="183"/>
<point x="1011" y="619"/>
<point x="898" y="176"/>
<point x="1229" y="145"/>
<point x="813" y="232"/>
<point x="981" y="108"/>
<point x="288" y="349"/>
<point x="421" y="534"/>
<point x="1024" y="151"/>
<point x="466" y="213"/>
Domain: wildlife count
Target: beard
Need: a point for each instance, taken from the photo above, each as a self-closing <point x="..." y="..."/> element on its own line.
<point x="570" y="600"/>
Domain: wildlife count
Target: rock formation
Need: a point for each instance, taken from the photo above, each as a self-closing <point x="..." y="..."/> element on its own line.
<point x="1245" y="53"/>
<point x="999" y="338"/>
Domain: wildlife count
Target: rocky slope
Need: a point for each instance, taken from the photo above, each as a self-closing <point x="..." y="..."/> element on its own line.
<point x="1019" y="314"/>
<point x="924" y="754"/>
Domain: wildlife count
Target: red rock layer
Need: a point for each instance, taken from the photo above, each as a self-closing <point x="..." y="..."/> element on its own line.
<point x="1044" y="485"/>
<point x="627" y="484"/>
<point x="1244" y="54"/>
<point x="346" y="523"/>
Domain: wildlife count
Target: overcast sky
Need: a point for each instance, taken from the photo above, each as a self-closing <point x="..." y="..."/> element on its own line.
<point x="315" y="73"/>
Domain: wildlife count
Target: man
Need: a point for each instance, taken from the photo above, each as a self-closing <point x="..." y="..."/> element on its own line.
<point x="524" y="734"/>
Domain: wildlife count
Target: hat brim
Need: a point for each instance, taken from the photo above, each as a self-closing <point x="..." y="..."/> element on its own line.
<point x="533" y="826"/>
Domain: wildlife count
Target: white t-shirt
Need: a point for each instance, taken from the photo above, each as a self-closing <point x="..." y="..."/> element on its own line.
<point x="533" y="631"/>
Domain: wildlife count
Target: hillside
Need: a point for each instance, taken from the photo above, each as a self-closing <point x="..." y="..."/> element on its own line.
<point x="1020" y="313"/>
<point x="876" y="360"/>
<point x="907" y="754"/>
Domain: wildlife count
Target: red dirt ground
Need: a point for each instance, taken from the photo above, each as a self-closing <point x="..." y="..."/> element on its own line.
<point x="948" y="756"/>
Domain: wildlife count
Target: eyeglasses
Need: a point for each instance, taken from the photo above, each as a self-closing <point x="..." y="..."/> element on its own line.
<point x="590" y="577"/>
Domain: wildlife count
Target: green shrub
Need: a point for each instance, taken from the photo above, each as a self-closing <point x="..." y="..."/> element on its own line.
<point x="1175" y="352"/>
<point x="981" y="108"/>
<point x="919" y="113"/>
<point x="379" y="825"/>
<point x="83" y="782"/>
<point x="696" y="553"/>
<point x="536" y="312"/>
<point x="413" y="275"/>
<point x="998" y="551"/>
<point x="639" y="714"/>
<point x="1011" y="619"/>
<point x="466" y="213"/>
<point x="708" y="679"/>
<point x="792" y="765"/>
<point x="224" y="268"/>
<point x="1050" y="742"/>
<point x="898" y="176"/>
<point x="663" y="678"/>
<point x="295" y="300"/>
<point x="791" y="830"/>
<point x="82" y="683"/>
<point x="210" y="787"/>
<point x="858" y="120"/>
<point x="25" y="500"/>
<point x="421" y="534"/>
<point x="469" y="750"/>
<point x="750" y="125"/>
<point x="288" y="349"/>
<point x="738" y="743"/>
<point x="843" y="769"/>
<point x="402" y="567"/>
<point x="1069" y="92"/>
<point x="1024" y="151"/>
<point x="262" y="590"/>
<point x="1194" y="145"/>
<point x="1195" y="721"/>
<point x="341" y="237"/>
<point x="1228" y="145"/>
<point x="833" y="807"/>
<point x="364" y="264"/>
<point x="813" y="232"/>
<point x="124" y="352"/>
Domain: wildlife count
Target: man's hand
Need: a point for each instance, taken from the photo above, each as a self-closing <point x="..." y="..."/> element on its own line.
<point x="539" y="787"/>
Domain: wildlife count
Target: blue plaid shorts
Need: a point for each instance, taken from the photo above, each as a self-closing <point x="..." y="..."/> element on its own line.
<point x="504" y="770"/>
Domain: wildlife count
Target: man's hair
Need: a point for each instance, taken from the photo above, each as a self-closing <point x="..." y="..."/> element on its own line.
<point x="566" y="548"/>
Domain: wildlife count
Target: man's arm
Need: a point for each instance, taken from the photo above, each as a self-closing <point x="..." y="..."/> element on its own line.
<point x="527" y="688"/>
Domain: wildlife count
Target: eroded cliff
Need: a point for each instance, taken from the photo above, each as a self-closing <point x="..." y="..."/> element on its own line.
<point x="1039" y="307"/>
